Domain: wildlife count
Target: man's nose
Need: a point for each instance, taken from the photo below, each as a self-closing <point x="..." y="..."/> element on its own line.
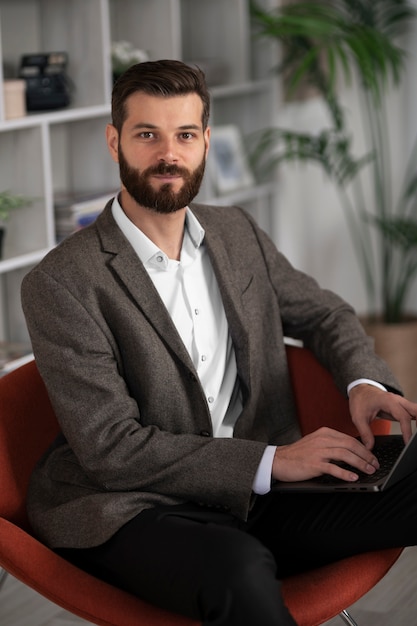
<point x="167" y="151"/>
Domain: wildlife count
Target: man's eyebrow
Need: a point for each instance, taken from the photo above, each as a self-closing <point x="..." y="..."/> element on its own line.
<point x="190" y="126"/>
<point x="143" y="125"/>
<point x="148" y="126"/>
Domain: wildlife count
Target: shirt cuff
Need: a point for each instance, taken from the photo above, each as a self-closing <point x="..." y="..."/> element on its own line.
<point x="365" y="381"/>
<point x="262" y="481"/>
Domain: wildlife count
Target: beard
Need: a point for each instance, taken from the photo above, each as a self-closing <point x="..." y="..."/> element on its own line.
<point x="164" y="199"/>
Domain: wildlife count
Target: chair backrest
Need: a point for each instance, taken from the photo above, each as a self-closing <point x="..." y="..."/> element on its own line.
<point x="319" y="402"/>
<point x="27" y="426"/>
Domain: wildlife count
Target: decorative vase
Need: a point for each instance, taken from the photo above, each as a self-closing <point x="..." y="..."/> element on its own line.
<point x="397" y="345"/>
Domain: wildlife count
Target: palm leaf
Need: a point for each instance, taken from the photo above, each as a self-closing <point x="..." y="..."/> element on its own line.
<point x="339" y="31"/>
<point x="322" y="40"/>
<point x="400" y="231"/>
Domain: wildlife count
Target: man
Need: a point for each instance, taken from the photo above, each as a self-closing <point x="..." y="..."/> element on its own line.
<point x="159" y="333"/>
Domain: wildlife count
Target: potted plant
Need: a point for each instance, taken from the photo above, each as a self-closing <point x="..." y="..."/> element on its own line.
<point x="124" y="55"/>
<point x="9" y="202"/>
<point x="322" y="42"/>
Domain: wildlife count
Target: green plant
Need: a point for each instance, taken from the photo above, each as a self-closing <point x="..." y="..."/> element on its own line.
<point x="9" y="202"/>
<point x="323" y="41"/>
<point x="123" y="55"/>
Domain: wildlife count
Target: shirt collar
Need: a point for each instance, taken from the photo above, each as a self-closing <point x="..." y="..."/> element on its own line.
<point x="146" y="250"/>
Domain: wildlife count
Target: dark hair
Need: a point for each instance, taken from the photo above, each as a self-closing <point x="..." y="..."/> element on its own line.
<point x="159" y="78"/>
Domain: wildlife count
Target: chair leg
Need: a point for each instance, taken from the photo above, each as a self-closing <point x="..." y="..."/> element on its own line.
<point x="347" y="618"/>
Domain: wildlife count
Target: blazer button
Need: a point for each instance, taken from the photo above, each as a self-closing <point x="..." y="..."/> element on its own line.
<point x="205" y="433"/>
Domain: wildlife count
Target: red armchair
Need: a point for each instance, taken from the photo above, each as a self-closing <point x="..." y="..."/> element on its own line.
<point x="28" y="425"/>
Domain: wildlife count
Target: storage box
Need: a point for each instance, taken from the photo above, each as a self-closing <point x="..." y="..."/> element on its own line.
<point x="14" y="99"/>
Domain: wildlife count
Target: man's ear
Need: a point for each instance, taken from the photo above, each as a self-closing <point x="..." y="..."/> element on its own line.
<point x="112" y="138"/>
<point x="207" y="139"/>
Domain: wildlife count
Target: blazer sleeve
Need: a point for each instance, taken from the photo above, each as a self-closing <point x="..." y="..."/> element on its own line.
<point x="324" y="322"/>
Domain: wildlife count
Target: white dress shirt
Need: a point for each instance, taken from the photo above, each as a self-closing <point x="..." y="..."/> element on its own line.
<point x="189" y="290"/>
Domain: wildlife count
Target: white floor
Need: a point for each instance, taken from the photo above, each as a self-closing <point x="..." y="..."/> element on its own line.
<point x="21" y="606"/>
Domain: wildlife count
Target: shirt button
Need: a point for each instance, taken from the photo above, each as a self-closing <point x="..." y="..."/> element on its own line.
<point x="196" y="311"/>
<point x="159" y="258"/>
<point x="210" y="399"/>
<point x="203" y="357"/>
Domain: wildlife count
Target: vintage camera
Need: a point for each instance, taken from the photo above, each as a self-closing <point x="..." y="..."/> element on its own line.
<point x="47" y="82"/>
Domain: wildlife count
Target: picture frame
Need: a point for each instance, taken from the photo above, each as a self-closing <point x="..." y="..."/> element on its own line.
<point x="229" y="165"/>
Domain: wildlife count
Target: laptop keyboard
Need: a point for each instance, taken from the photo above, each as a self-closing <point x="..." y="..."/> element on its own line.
<point x="386" y="451"/>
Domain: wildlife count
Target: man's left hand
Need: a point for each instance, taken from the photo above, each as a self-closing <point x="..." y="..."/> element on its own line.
<point x="367" y="402"/>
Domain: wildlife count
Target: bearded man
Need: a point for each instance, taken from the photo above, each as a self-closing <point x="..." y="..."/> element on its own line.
<point x="158" y="331"/>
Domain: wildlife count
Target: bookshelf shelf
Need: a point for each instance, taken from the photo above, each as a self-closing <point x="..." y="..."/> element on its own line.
<point x="22" y="261"/>
<point x="47" y="154"/>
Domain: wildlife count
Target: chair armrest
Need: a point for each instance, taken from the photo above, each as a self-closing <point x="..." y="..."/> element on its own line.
<point x="319" y="402"/>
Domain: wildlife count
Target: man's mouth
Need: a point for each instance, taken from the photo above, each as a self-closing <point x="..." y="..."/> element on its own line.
<point x="167" y="175"/>
<point x="167" y="178"/>
<point x="164" y="170"/>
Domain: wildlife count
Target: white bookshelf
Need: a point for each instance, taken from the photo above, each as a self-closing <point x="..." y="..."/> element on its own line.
<point x="63" y="151"/>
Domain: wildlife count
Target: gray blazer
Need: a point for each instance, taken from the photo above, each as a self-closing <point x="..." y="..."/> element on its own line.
<point x="136" y="429"/>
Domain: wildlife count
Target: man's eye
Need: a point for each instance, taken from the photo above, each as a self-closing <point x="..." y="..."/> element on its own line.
<point x="187" y="135"/>
<point x="147" y="134"/>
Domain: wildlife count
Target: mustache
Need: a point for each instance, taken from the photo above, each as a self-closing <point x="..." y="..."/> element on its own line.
<point x="166" y="168"/>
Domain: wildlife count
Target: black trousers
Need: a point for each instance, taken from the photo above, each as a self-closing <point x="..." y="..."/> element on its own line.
<point x="206" y="564"/>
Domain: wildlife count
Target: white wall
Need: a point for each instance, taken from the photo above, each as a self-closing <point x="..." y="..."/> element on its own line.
<point x="312" y="230"/>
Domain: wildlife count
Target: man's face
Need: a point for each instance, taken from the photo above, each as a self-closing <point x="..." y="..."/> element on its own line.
<point x="161" y="150"/>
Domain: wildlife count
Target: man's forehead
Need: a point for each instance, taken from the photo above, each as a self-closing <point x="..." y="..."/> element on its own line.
<point x="150" y="111"/>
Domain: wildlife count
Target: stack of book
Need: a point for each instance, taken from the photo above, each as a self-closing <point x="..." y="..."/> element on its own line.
<point x="73" y="212"/>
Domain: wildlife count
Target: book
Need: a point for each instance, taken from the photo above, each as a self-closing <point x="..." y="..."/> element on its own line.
<point x="73" y="212"/>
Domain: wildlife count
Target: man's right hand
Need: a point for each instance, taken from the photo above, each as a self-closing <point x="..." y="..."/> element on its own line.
<point x="314" y="455"/>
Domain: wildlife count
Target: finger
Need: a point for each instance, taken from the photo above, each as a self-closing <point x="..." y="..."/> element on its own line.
<point x="403" y="412"/>
<point x="339" y="446"/>
<point x="341" y="473"/>
<point x="359" y="458"/>
<point x="366" y="435"/>
<point x="346" y="470"/>
<point x="406" y="430"/>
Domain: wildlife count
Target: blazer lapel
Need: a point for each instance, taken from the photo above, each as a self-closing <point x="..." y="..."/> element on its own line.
<point x="131" y="272"/>
<point x="231" y="289"/>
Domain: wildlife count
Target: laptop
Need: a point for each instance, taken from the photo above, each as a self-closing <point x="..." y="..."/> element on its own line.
<point x="396" y="462"/>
